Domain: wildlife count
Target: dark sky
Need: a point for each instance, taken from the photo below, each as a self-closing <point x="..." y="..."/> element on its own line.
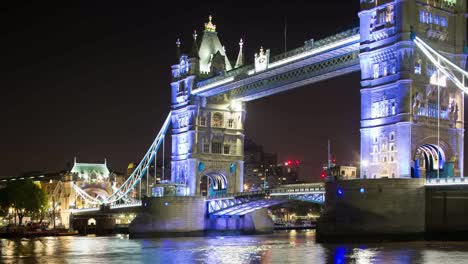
<point x="91" y="79"/>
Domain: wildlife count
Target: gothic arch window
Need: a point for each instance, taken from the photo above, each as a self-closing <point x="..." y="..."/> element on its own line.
<point x="216" y="147"/>
<point x="217" y="120"/>
<point x="417" y="67"/>
<point x="181" y="86"/>
<point x="231" y="123"/>
<point x="202" y="121"/>
<point x="376" y="71"/>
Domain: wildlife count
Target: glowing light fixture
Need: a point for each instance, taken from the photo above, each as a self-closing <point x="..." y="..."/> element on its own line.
<point x="339" y="192"/>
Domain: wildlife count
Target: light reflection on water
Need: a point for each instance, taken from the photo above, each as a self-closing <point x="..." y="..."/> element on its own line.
<point x="280" y="247"/>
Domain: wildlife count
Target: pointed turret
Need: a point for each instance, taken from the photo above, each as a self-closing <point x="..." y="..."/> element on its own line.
<point x="240" y="57"/>
<point x="194" y="51"/>
<point x="210" y="45"/>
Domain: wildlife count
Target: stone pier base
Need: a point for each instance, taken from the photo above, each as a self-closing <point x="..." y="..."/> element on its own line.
<point x="170" y="216"/>
<point x="373" y="209"/>
<point x="187" y="216"/>
<point x="252" y="223"/>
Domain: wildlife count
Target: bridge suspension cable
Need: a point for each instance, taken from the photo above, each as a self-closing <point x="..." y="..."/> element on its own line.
<point x="449" y="69"/>
<point x="143" y="166"/>
<point x="85" y="196"/>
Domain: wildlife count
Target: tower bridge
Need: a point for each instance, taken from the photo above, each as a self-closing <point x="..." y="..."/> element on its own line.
<point x="411" y="56"/>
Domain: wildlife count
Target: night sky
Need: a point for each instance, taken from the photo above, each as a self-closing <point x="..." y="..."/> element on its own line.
<point x="92" y="79"/>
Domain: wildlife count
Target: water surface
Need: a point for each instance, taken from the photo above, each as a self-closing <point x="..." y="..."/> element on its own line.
<point x="280" y="247"/>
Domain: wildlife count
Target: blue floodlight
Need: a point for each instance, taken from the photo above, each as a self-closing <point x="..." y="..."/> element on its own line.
<point x="339" y="191"/>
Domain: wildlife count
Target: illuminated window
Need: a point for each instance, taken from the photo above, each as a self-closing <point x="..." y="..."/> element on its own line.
<point x="217" y="120"/>
<point x="384" y="70"/>
<point x="436" y="19"/>
<point x="429" y="18"/>
<point x="422" y="16"/>
<point x="231" y="123"/>
<point x="393" y="107"/>
<point x="216" y="148"/>
<point x="375" y="149"/>
<point x="376" y="71"/>
<point x="226" y="149"/>
<point x="417" y="67"/>
<point x="443" y="21"/>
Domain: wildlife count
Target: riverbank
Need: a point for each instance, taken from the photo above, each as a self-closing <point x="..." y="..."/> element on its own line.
<point x="21" y="233"/>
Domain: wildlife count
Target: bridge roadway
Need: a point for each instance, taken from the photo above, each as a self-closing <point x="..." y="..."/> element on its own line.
<point x="232" y="204"/>
<point x="246" y="202"/>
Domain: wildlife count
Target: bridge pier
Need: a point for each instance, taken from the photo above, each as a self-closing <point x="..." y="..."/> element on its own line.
<point x="252" y="223"/>
<point x="373" y="209"/>
<point x="170" y="216"/>
<point x="99" y="224"/>
<point x="188" y="216"/>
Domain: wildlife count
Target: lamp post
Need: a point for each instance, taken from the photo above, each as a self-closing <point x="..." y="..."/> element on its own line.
<point x="265" y="182"/>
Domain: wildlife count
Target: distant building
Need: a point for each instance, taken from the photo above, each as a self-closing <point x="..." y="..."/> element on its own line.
<point x="259" y="167"/>
<point x="91" y="171"/>
<point x="345" y="172"/>
<point x="262" y="168"/>
<point x="288" y="172"/>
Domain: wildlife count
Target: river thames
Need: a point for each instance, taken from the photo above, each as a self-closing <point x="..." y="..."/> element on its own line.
<point x="280" y="247"/>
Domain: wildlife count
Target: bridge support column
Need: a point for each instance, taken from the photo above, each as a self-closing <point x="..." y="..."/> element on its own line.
<point x="170" y="216"/>
<point x="251" y="223"/>
<point x="99" y="224"/>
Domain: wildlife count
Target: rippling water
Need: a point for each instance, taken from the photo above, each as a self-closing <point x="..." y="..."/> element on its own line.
<point x="280" y="247"/>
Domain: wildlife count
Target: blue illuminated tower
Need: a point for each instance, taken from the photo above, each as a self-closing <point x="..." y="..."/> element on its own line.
<point x="207" y="132"/>
<point x="403" y="133"/>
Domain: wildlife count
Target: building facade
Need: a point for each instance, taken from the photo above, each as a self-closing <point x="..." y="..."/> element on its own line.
<point x="402" y="91"/>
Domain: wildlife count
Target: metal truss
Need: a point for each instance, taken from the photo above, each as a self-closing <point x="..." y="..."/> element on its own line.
<point x="313" y="72"/>
<point x="243" y="203"/>
<point x="312" y="198"/>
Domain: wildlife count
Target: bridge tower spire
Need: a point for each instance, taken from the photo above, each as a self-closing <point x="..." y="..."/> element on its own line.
<point x="240" y="56"/>
<point x="207" y="131"/>
<point x="403" y="99"/>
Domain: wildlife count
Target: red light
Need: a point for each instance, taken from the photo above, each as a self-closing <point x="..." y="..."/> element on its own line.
<point x="334" y="160"/>
<point x="289" y="162"/>
<point x="323" y="175"/>
<point x="298" y="162"/>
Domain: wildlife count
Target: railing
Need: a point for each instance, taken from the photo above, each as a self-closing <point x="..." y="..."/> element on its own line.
<point x="126" y="205"/>
<point x="275" y="192"/>
<point x="446" y="181"/>
<point x="309" y="45"/>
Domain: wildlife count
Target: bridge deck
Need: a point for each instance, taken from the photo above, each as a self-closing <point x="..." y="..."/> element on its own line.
<point x="324" y="59"/>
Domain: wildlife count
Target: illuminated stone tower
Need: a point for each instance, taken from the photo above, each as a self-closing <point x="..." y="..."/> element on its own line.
<point x="400" y="89"/>
<point x="207" y="132"/>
